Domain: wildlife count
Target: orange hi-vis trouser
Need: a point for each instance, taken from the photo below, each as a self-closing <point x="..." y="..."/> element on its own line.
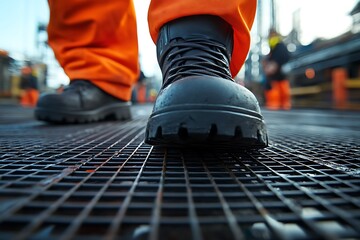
<point x="97" y="40"/>
<point x="278" y="97"/>
<point x="29" y="97"/>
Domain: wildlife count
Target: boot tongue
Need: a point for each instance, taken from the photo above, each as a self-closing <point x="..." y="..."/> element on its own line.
<point x="197" y="27"/>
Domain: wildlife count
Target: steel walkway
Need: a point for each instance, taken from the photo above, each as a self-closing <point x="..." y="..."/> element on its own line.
<point x="100" y="181"/>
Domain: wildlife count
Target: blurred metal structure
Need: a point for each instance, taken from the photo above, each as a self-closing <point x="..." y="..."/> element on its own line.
<point x="355" y="13"/>
<point x="273" y="14"/>
<point x="323" y="74"/>
<point x="313" y="68"/>
<point x="5" y="78"/>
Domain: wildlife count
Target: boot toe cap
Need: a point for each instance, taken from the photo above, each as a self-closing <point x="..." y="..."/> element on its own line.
<point x="207" y="91"/>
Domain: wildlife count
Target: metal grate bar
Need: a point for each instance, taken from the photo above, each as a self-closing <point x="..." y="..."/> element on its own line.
<point x="80" y="143"/>
<point x="101" y="181"/>
<point x="275" y="225"/>
<point x="331" y="208"/>
<point x="237" y="232"/>
<point x="193" y="219"/>
<point x="82" y="216"/>
<point x="52" y="179"/>
<point x="116" y="224"/>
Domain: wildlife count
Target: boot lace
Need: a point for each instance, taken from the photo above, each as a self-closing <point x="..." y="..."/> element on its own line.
<point x="194" y="57"/>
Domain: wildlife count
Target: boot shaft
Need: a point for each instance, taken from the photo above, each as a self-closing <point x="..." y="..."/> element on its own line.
<point x="195" y="27"/>
<point x="196" y="45"/>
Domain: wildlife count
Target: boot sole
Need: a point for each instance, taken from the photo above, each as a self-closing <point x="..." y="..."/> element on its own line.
<point x="208" y="126"/>
<point x="113" y="111"/>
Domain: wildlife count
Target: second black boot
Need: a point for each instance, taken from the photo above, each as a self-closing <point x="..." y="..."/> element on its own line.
<point x="199" y="104"/>
<point x="81" y="102"/>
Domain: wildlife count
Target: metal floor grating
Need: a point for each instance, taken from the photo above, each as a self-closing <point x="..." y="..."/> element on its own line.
<point x="100" y="181"/>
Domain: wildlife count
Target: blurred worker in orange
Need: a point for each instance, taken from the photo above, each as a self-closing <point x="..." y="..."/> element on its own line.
<point x="28" y="85"/>
<point x="200" y="45"/>
<point x="277" y="92"/>
<point x="141" y="88"/>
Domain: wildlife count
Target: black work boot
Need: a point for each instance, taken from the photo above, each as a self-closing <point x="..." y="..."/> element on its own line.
<point x="199" y="103"/>
<point x="81" y="102"/>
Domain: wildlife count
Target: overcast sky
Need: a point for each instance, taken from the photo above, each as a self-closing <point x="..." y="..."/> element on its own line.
<point x="319" y="18"/>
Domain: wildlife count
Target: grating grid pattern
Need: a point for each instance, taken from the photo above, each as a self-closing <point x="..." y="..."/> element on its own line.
<point x="101" y="181"/>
